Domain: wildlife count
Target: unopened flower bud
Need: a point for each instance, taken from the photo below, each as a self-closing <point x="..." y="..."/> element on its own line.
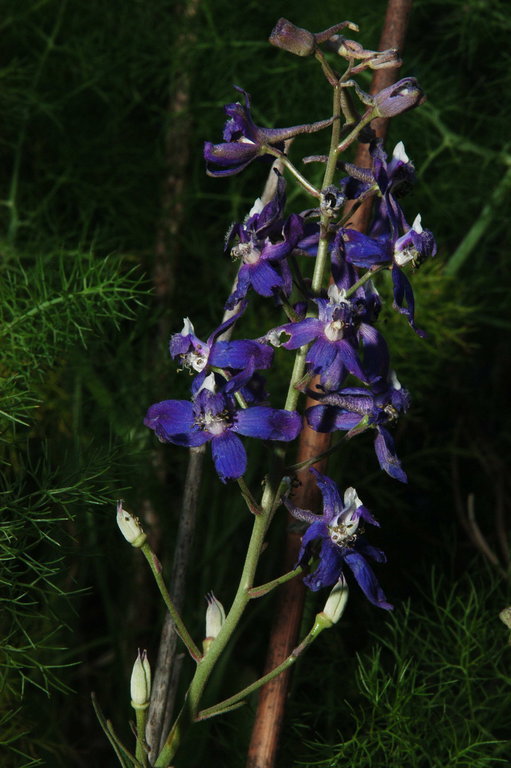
<point x="130" y="527"/>
<point x="505" y="617"/>
<point x="140" y="684"/>
<point x="294" y="39"/>
<point x="399" y="97"/>
<point x="336" y="602"/>
<point x="215" y="617"/>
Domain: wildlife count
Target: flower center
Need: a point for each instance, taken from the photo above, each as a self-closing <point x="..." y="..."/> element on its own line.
<point x="195" y="360"/>
<point x="334" y="331"/>
<point x="247" y="252"/>
<point x="215" y="423"/>
<point x="343" y="533"/>
<point x="406" y="255"/>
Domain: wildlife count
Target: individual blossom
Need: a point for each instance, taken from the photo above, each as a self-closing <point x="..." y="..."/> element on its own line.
<point x="415" y="246"/>
<point x="214" y="417"/>
<point x="354" y="410"/>
<point x="140" y="682"/>
<point x="130" y="526"/>
<point x="244" y="141"/>
<point x="301" y="42"/>
<point x="334" y="337"/>
<point x="238" y="357"/>
<point x="398" y="98"/>
<point x="263" y="242"/>
<point x="337" y="532"/>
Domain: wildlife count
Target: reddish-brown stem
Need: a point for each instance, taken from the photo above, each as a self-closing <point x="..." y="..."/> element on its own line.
<point x="263" y="747"/>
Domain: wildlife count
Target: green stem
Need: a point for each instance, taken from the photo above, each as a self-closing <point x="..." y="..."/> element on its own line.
<point x="181" y="630"/>
<point x="141" y="752"/>
<point x="305" y="183"/>
<point x="263" y="589"/>
<point x="288" y="662"/>
<point x="350" y="138"/>
<point x="365" y="277"/>
<point x="314" y="459"/>
<point x="247" y="495"/>
<point x="205" y="666"/>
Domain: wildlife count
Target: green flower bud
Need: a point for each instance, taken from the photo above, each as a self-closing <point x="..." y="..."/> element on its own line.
<point x="130" y="527"/>
<point x="140" y="684"/>
<point x="336" y="602"/>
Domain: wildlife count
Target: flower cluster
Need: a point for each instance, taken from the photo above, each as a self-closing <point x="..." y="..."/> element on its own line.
<point x="346" y="357"/>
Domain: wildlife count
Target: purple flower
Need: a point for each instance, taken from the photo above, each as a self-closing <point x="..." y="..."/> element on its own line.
<point x="355" y="409"/>
<point x="244" y="141"/>
<point x="213" y="416"/>
<point x="241" y="355"/>
<point x="265" y="239"/>
<point x="399" y="97"/>
<point x="335" y="335"/>
<point x="338" y="531"/>
<point x="384" y="245"/>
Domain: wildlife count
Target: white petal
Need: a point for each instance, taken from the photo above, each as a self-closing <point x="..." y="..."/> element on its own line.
<point x="208" y="383"/>
<point x="399" y="152"/>
<point x="336" y="295"/>
<point x="256" y="208"/>
<point x="395" y="381"/>
<point x="187" y="327"/>
<point x="417" y="226"/>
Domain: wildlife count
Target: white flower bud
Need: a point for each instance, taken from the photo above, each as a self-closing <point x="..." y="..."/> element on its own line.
<point x="130" y="527"/>
<point x="215" y="617"/>
<point x="336" y="602"/>
<point x="140" y="684"/>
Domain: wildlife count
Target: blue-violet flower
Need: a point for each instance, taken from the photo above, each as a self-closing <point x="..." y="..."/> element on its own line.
<point x="341" y="543"/>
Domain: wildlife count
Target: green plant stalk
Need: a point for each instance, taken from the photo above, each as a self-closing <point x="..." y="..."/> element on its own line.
<point x="176" y="618"/>
<point x="322" y="254"/>
<point x="263" y="589"/>
<point x="126" y="759"/>
<point x="305" y="183"/>
<point x="288" y="662"/>
<point x="141" y="752"/>
<point x="365" y="277"/>
<point x="205" y="666"/>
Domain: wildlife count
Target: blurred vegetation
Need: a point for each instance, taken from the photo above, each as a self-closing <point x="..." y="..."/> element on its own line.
<point x="98" y="104"/>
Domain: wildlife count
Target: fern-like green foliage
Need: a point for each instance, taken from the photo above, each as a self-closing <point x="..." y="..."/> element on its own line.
<point x="433" y="688"/>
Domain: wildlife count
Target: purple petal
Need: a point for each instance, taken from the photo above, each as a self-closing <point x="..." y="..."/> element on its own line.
<point x="364" y="251"/>
<point x="264" y="278"/>
<point x="403" y="292"/>
<point x="367" y="581"/>
<point x="238" y="353"/>
<point x="386" y="453"/>
<point x="321" y="354"/>
<point x="229" y="456"/>
<point x="376" y="353"/>
<point x="242" y="286"/>
<point x="231" y="152"/>
<point x="173" y="422"/>
<point x="329" y="567"/>
<point x="302" y="332"/>
<point x="268" y="423"/>
<point x="324" y="418"/>
<point x="332" y="502"/>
